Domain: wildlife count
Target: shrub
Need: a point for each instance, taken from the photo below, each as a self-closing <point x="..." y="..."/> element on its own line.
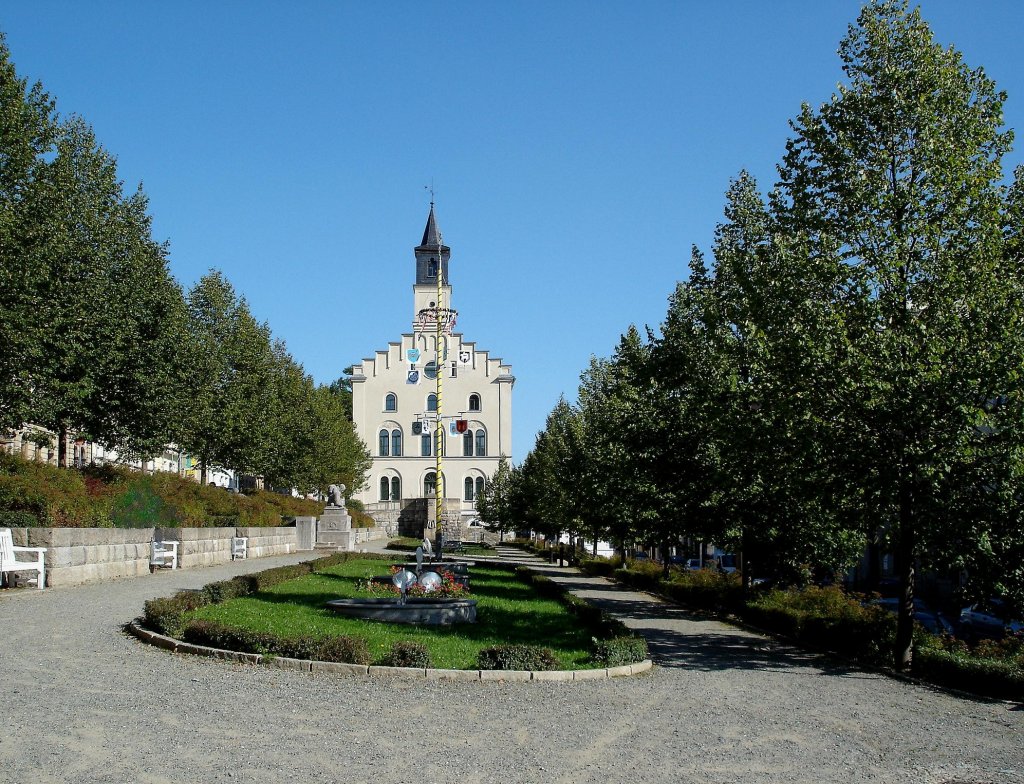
<point x="517" y="657"/>
<point x="18" y="520"/>
<point x="705" y="589"/>
<point x="598" y="567"/>
<point x="620" y="650"/>
<point x="408" y="653"/>
<point x="990" y="677"/>
<point x="166" y="615"/>
<point x="343" y="648"/>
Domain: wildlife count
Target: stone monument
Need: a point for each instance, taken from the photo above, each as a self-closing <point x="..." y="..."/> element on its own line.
<point x="335" y="526"/>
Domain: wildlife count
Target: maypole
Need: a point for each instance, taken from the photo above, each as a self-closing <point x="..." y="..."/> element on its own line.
<point x="439" y="381"/>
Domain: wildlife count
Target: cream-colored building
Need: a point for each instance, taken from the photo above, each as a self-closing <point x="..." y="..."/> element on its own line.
<point x="395" y="417"/>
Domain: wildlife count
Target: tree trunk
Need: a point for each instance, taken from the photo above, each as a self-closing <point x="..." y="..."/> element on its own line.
<point x="905" y="546"/>
<point x="202" y="471"/>
<point x="62" y="445"/>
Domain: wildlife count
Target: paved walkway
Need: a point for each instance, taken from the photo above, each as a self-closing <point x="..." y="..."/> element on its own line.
<point x="83" y="702"/>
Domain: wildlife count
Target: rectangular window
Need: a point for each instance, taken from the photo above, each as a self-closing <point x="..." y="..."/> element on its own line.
<point x="425" y="445"/>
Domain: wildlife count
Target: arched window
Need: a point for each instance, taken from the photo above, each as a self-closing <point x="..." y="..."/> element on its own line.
<point x="430" y="369"/>
<point x="425" y="445"/>
<point x="431" y="402"/>
<point x="396" y="443"/>
<point x="481" y="443"/>
<point x="467" y="444"/>
<point x="396" y="489"/>
<point x="479" y="485"/>
<point x="391" y="402"/>
<point x="432" y="268"/>
<point x="384" y="488"/>
<point x="430" y="484"/>
<point x="469" y="488"/>
<point x="474" y="402"/>
<point x="385" y="439"/>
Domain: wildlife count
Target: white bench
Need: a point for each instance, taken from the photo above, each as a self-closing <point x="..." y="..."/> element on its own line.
<point x="165" y="555"/>
<point x="239" y="547"/>
<point x="10" y="564"/>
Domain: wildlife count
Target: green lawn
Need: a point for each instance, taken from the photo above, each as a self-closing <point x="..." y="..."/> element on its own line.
<point x="508" y="611"/>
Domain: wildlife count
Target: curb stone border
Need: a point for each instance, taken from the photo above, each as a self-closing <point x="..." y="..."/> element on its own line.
<point x="377" y="671"/>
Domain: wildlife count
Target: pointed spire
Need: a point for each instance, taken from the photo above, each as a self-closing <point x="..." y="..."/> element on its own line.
<point x="431" y="236"/>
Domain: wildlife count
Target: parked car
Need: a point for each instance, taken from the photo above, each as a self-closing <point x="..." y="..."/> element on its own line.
<point x="694" y="564"/>
<point x="727" y="563"/>
<point x="990" y="618"/>
<point x="934" y="622"/>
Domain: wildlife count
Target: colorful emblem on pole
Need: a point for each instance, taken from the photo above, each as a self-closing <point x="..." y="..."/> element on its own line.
<point x="466" y="357"/>
<point x="414" y="355"/>
<point x="417" y="428"/>
<point x="461" y="425"/>
<point x="413" y="377"/>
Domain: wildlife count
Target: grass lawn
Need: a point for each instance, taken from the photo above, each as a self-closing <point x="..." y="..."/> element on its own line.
<point x="508" y="611"/>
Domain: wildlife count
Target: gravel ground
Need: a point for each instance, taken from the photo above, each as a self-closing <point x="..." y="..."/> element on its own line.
<point x="83" y="702"/>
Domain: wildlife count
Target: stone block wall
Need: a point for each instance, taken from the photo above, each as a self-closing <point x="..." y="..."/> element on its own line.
<point x="86" y="555"/>
<point x="199" y="546"/>
<point x="264" y="542"/>
<point x="75" y="556"/>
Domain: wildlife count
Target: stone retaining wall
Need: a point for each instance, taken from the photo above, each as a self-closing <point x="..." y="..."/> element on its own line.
<point x="87" y="555"/>
<point x="264" y="542"/>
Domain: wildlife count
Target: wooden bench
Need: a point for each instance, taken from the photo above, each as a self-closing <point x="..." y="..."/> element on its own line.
<point x="454" y="546"/>
<point x="165" y="555"/>
<point x="10" y="564"/>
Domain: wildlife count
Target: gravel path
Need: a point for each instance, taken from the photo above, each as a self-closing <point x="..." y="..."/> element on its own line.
<point x="82" y="702"/>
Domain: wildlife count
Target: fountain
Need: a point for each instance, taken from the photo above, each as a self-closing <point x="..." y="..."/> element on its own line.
<point x="427" y="610"/>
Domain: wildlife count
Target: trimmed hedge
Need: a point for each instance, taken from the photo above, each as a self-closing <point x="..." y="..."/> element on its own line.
<point x="989" y="677"/>
<point x="408" y="653"/>
<point x="620" y="650"/>
<point x="517" y="657"/>
<point x="340" y="648"/>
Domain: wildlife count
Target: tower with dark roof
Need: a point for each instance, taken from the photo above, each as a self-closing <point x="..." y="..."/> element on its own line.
<point x="386" y="408"/>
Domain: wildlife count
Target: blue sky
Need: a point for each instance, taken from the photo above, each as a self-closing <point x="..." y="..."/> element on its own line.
<point x="577" y="150"/>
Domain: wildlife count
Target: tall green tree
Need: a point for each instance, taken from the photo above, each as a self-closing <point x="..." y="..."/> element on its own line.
<point x="494" y="502"/>
<point x="231" y="381"/>
<point x="895" y="183"/>
<point x="109" y="358"/>
<point x="27" y="132"/>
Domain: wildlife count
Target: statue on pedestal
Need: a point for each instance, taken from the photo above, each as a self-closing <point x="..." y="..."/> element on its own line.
<point x="336" y="495"/>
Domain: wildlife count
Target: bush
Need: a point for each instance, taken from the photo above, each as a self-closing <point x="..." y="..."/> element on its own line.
<point x="620" y="650"/>
<point x="599" y="566"/>
<point x="18" y="520"/>
<point x="990" y="677"/>
<point x="343" y="648"/>
<point x="705" y="589"/>
<point x="103" y="496"/>
<point x="517" y="657"/>
<point x="408" y="653"/>
<point x="827" y="618"/>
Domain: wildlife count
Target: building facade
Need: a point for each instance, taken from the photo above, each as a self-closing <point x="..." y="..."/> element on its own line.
<point x="395" y="410"/>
